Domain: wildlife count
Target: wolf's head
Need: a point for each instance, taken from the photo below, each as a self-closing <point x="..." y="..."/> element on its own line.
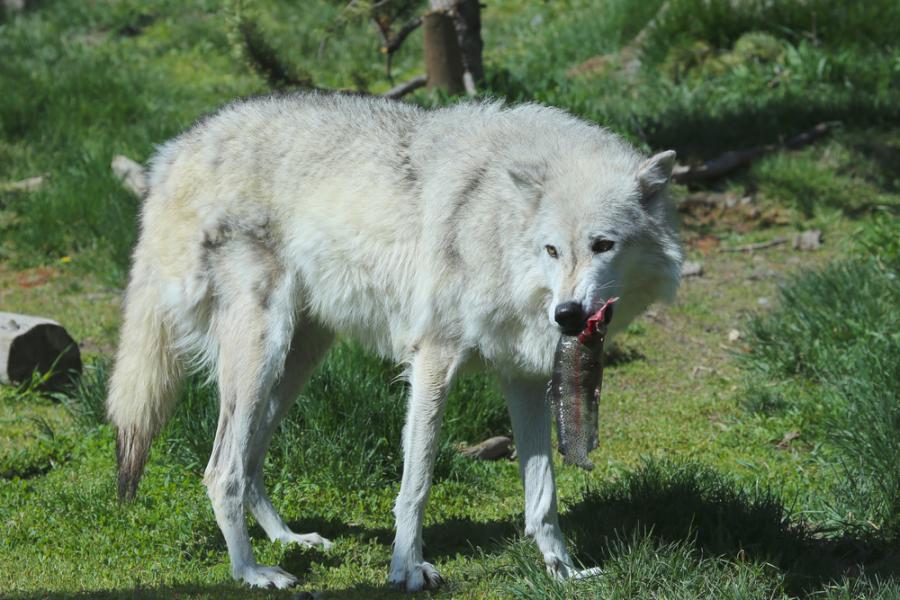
<point x="603" y="226"/>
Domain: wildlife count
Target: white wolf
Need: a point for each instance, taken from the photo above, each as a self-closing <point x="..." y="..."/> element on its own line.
<point x="470" y="235"/>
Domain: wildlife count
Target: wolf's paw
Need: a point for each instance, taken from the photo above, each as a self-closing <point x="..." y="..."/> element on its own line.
<point x="586" y="573"/>
<point x="563" y="569"/>
<point x="267" y="577"/>
<point x="309" y="540"/>
<point x="421" y="576"/>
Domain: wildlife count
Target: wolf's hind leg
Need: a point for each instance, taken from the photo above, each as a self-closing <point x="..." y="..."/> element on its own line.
<point x="249" y="359"/>
<point x="309" y="344"/>
<point x="432" y="371"/>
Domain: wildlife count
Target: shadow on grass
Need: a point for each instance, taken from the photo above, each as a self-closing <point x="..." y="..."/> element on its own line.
<point x="701" y="134"/>
<point x="223" y="591"/>
<point x="445" y="539"/>
<point x="673" y="503"/>
<point x="667" y="502"/>
<point x="219" y="592"/>
<point x="887" y="159"/>
<point x="619" y="355"/>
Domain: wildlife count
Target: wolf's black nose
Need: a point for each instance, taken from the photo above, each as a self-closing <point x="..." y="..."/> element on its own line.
<point x="570" y="316"/>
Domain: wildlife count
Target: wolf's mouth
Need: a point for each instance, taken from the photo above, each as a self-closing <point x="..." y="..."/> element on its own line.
<point x="574" y="329"/>
<point x="603" y="312"/>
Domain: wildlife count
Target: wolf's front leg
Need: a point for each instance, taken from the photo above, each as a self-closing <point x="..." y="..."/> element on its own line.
<point x="530" y="416"/>
<point x="432" y="371"/>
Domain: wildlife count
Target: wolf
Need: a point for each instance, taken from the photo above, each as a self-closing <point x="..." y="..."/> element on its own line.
<point x="446" y="239"/>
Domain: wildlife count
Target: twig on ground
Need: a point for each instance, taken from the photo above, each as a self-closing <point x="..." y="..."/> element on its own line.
<point x="25" y="185"/>
<point x="758" y="246"/>
<point x="733" y="159"/>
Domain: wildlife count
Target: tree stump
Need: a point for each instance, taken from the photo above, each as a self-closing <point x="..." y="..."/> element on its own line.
<point x="31" y="344"/>
<point x="443" y="58"/>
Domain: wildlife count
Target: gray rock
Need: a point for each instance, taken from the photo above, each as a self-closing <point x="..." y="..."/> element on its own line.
<point x="809" y="240"/>
<point x="692" y="269"/>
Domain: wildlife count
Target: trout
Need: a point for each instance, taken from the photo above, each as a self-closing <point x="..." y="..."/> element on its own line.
<point x="574" y="390"/>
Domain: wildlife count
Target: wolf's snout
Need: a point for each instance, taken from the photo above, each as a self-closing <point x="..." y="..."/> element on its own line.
<point x="570" y="316"/>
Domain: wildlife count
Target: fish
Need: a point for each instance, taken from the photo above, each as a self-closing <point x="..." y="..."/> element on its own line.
<point x="574" y="388"/>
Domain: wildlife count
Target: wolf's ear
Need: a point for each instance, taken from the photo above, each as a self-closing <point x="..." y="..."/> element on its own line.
<point x="655" y="173"/>
<point x="528" y="177"/>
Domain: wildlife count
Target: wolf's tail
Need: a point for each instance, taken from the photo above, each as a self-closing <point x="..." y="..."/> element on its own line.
<point x="144" y="383"/>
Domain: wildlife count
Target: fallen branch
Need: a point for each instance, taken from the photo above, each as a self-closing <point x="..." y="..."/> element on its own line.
<point x="25" y="185"/>
<point x="758" y="246"/>
<point x="406" y="87"/>
<point x="733" y="159"/>
<point x="493" y="448"/>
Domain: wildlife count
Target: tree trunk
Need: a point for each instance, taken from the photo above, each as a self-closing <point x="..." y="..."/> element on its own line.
<point x="29" y="344"/>
<point x="466" y="19"/>
<point x="468" y="34"/>
<point x="443" y="58"/>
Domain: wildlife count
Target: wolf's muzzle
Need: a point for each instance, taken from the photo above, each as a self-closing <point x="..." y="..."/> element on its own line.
<point x="570" y="317"/>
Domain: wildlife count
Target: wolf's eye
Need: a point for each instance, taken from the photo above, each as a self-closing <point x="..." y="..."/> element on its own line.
<point x="602" y="246"/>
<point x="551" y="250"/>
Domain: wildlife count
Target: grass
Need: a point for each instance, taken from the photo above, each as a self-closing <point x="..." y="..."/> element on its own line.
<point x="645" y="568"/>
<point x="833" y="346"/>
<point x="760" y="468"/>
<point x="343" y="429"/>
<point x="87" y="82"/>
<point x="703" y="86"/>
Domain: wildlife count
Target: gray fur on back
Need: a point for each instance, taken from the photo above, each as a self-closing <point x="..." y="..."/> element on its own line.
<point x="442" y="205"/>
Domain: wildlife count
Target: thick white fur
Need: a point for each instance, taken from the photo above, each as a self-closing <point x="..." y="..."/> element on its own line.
<point x="280" y="221"/>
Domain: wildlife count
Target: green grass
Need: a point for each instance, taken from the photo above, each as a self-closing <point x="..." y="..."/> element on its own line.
<point x="643" y="567"/>
<point x="698" y="492"/>
<point x="727" y="96"/>
<point x="85" y="82"/>
<point x="833" y="347"/>
<point x="344" y="428"/>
